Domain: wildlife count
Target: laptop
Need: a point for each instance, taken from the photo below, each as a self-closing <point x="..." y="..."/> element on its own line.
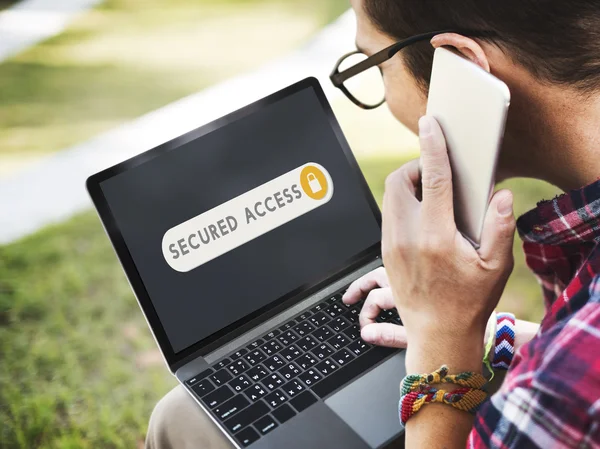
<point x="239" y="239"/>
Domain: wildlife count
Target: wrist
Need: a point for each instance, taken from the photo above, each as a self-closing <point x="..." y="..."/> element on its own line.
<point x="459" y="353"/>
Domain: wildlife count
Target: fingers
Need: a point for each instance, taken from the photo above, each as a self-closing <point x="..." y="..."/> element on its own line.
<point x="384" y="334"/>
<point x="377" y="300"/>
<point x="436" y="177"/>
<point x="400" y="201"/>
<point x="363" y="285"/>
<point x="498" y="229"/>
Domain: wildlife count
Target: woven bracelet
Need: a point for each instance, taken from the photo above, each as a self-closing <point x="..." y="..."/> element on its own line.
<point x="505" y="341"/>
<point x="465" y="399"/>
<point x="414" y="382"/>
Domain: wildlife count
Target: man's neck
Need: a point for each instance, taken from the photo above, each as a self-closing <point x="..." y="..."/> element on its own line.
<point x="556" y="136"/>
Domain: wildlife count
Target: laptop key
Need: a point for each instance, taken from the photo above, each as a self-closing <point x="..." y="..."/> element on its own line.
<point x="289" y="371"/>
<point x="247" y="436"/>
<point x="238" y="367"/>
<point x="319" y="319"/>
<point x="203" y="387"/>
<point x="339" y="324"/>
<point x="326" y="367"/>
<point x="346" y="373"/>
<point x="310" y="377"/>
<point x="255" y="392"/>
<point x="274" y="363"/>
<point x="283" y="413"/>
<point x="304" y="316"/>
<point x="265" y="424"/>
<point x="238" y="354"/>
<point x="273" y="381"/>
<point x="257" y="373"/>
<point x="200" y="376"/>
<point x="342" y="357"/>
<point x="352" y="315"/>
<point x="303" y="401"/>
<point x="246" y="416"/>
<point x="359" y="347"/>
<point x="240" y="383"/>
<point x="307" y="343"/>
<point x="271" y="347"/>
<point x="218" y="396"/>
<point x="290" y="353"/>
<point x="255" y="357"/>
<point x="221" y="377"/>
<point x="287" y="326"/>
<point x="287" y="338"/>
<point x="319" y="307"/>
<point x="276" y="398"/>
<point x="323" y="333"/>
<point x="222" y="364"/>
<point x="271" y="335"/>
<point x="305" y="361"/>
<point x="335" y="310"/>
<point x="338" y="341"/>
<point x="322" y="351"/>
<point x="353" y="332"/>
<point x="255" y="344"/>
<point x="293" y="388"/>
<point x="231" y="407"/>
<point x="304" y="328"/>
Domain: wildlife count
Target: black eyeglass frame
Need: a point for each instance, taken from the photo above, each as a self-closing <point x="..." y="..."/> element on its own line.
<point x="338" y="78"/>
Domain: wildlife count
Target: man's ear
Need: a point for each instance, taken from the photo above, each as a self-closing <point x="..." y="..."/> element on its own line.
<point x="465" y="45"/>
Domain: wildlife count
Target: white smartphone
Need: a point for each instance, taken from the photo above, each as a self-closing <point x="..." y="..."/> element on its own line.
<point x="471" y="106"/>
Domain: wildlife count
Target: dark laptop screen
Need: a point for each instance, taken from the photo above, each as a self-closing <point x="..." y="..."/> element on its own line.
<point x="229" y="223"/>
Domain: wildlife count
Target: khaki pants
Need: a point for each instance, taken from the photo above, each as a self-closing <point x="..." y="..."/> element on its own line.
<point x="177" y="422"/>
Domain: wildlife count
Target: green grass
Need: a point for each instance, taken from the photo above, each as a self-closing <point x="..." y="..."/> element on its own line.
<point x="127" y="57"/>
<point x="79" y="367"/>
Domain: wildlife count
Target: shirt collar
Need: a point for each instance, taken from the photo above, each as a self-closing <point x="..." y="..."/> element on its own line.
<point x="571" y="218"/>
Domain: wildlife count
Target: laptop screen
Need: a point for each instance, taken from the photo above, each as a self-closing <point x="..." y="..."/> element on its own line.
<point x="229" y="223"/>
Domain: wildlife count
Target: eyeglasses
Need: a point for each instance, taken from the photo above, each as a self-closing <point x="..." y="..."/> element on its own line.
<point x="369" y="85"/>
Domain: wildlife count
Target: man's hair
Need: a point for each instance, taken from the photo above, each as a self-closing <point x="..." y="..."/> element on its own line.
<point x="558" y="41"/>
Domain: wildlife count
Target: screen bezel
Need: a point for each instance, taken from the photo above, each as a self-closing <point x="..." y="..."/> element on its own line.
<point x="234" y="330"/>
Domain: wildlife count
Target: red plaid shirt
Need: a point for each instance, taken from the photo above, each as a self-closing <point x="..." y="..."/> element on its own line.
<point x="550" y="397"/>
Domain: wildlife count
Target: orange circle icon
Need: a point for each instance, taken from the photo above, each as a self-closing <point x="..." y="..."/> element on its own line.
<point x="313" y="182"/>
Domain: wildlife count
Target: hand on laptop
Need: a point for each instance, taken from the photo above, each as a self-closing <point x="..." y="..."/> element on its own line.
<point x="375" y="287"/>
<point x="444" y="289"/>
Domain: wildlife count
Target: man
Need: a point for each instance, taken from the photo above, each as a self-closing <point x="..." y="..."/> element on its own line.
<point x="548" y="53"/>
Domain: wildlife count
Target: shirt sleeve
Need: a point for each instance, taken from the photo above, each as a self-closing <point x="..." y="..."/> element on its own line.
<point x="549" y="398"/>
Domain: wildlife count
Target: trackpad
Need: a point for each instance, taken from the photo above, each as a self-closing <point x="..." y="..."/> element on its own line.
<point x="370" y="404"/>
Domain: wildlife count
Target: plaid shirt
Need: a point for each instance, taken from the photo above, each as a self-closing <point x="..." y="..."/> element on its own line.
<point x="550" y="397"/>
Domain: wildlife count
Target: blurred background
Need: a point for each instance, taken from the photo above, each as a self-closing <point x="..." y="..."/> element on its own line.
<point x="85" y="84"/>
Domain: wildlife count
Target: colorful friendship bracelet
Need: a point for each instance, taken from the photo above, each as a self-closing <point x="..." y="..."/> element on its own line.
<point x="505" y="341"/>
<point x="465" y="399"/>
<point x="414" y="382"/>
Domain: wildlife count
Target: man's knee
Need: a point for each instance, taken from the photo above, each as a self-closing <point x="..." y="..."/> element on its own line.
<point x="177" y="422"/>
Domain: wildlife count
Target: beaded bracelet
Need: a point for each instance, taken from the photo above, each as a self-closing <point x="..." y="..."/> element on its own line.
<point x="414" y="382"/>
<point x="465" y="399"/>
<point x="505" y="341"/>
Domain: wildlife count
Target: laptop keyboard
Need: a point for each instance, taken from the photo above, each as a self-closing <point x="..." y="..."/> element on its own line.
<point x="256" y="389"/>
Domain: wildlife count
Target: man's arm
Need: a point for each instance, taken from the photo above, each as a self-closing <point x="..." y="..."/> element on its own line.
<point x="443" y="288"/>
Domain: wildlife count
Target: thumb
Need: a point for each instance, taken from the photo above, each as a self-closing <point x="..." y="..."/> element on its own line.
<point x="498" y="229"/>
<point x="384" y="334"/>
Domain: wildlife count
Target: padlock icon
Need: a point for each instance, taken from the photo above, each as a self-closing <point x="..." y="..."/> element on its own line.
<point x="313" y="183"/>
